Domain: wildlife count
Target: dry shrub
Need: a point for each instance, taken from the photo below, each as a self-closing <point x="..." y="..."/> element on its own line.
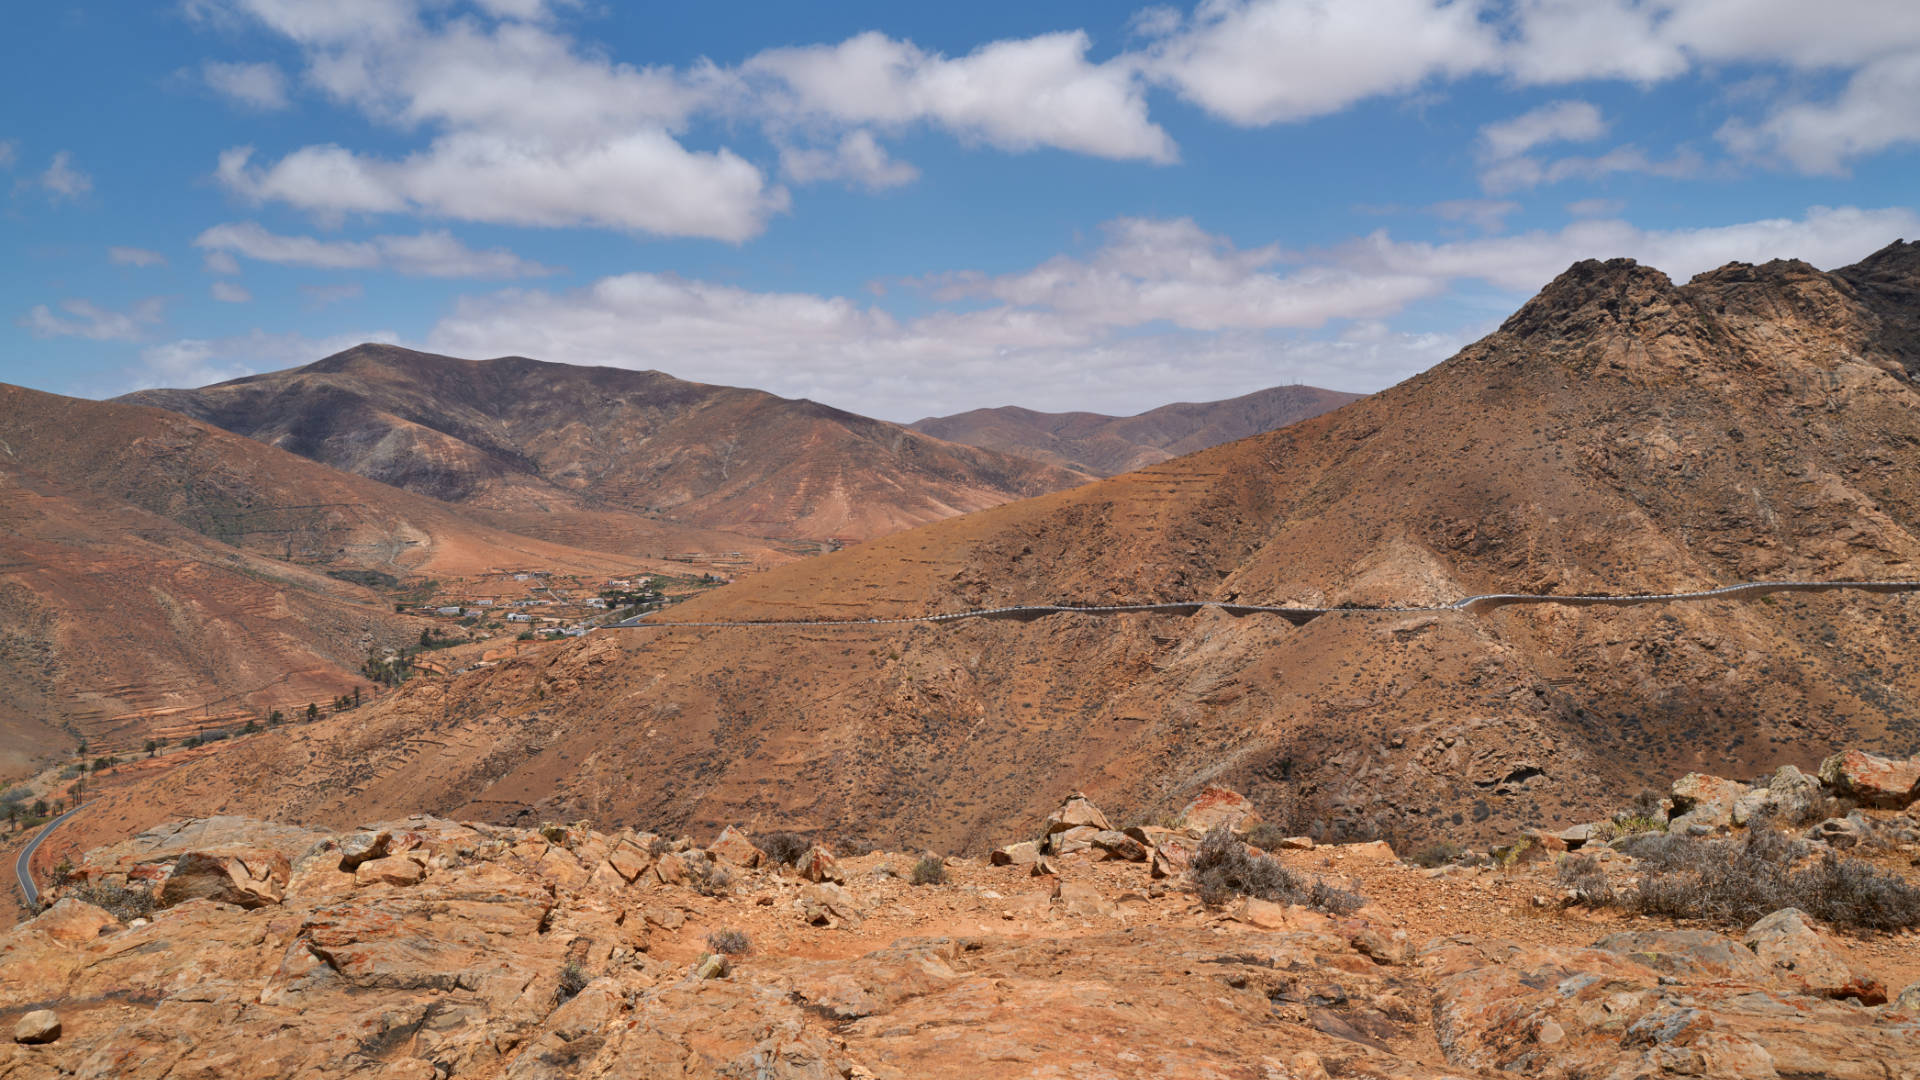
<point x="730" y="942"/>
<point x="573" y="979"/>
<point x="1439" y="853"/>
<point x="1738" y="881"/>
<point x="784" y="848"/>
<point x="1223" y="869"/>
<point x="708" y="878"/>
<point x="930" y="870"/>
<point x="1584" y="875"/>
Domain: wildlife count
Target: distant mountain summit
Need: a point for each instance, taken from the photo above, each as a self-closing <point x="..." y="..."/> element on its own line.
<point x="559" y="447"/>
<point x="1619" y="434"/>
<point x="1107" y="445"/>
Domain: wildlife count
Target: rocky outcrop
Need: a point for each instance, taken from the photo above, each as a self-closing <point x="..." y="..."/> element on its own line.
<point x="37" y="1027"/>
<point x="565" y="953"/>
<point x="1219" y="806"/>
<point x="1872" y="779"/>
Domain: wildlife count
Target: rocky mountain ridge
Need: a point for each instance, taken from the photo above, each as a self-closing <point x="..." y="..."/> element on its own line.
<point x="581" y="453"/>
<point x="1108" y="445"/>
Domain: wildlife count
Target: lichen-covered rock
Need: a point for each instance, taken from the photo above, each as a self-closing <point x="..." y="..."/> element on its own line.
<point x="827" y="904"/>
<point x="1215" y="806"/>
<point x="1703" y="800"/>
<point x="1789" y="797"/>
<point x="1788" y="943"/>
<point x="1075" y="813"/>
<point x="733" y="846"/>
<point x="244" y="877"/>
<point x="1872" y="779"/>
<point x="1023" y="853"/>
<point x="818" y="864"/>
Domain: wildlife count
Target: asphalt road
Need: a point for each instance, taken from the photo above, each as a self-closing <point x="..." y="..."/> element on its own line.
<point x="22" y="866"/>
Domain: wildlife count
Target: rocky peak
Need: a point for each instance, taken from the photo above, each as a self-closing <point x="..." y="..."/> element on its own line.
<point x="1888" y="281"/>
<point x="1589" y="293"/>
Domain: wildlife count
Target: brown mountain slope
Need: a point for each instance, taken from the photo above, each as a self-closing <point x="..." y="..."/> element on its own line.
<point x="1107" y="445"/>
<point x="526" y="442"/>
<point x="152" y="562"/>
<point x="1617" y="434"/>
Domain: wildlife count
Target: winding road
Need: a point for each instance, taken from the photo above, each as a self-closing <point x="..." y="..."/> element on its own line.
<point x="1302" y="615"/>
<point x="23" y="866"/>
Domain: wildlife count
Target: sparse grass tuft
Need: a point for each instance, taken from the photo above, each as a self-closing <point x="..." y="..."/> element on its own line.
<point x="1267" y="835"/>
<point x="1437" y="854"/>
<point x="930" y="870"/>
<point x="573" y="979"/>
<point x="1223" y="869"/>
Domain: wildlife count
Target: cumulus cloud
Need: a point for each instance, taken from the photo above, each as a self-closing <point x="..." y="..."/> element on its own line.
<point x="256" y="86"/>
<point x="428" y="254"/>
<point x="133" y="256"/>
<point x="200" y="361"/>
<point x="63" y="180"/>
<point x="1156" y="304"/>
<point x="228" y="292"/>
<point x="1015" y="95"/>
<point x="86" y="319"/>
<point x="1559" y="121"/>
<point x="1875" y="111"/>
<point x="857" y="160"/>
<point x="221" y="262"/>
<point x="1256" y="62"/>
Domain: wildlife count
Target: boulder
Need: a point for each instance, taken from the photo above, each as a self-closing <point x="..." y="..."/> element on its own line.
<point x="361" y="847"/>
<point x="1872" y="779"/>
<point x="1906" y="1001"/>
<point x="670" y="869"/>
<point x="1383" y="946"/>
<point x="1688" y="955"/>
<point x="1068" y="841"/>
<point x="733" y="846"/>
<point x="37" y="1027"/>
<point x="399" y="870"/>
<point x="1269" y="915"/>
<point x="1295" y="843"/>
<point x="1020" y="854"/>
<point x="1842" y="833"/>
<point x="1219" y="806"/>
<point x="1786" y="942"/>
<point x="1701" y="799"/>
<point x="1120" y="846"/>
<point x="818" y="864"/>
<point x="1075" y="813"/>
<point x="1171" y="857"/>
<point x="1789" y="796"/>
<point x="827" y="904"/>
<point x="244" y="877"/>
<point x="629" y="860"/>
<point x="74" y="921"/>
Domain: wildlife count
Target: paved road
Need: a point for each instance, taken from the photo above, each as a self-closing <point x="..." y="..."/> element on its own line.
<point x="23" y="868"/>
<point x="1301" y="615"/>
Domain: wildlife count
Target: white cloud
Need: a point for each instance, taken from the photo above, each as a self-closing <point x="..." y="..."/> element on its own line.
<point x="1879" y="108"/>
<point x="9" y="152"/>
<point x="200" y="361"/>
<point x="858" y="159"/>
<point x="1559" y="121"/>
<point x="1256" y="62"/>
<point x="93" y="322"/>
<point x="1515" y="174"/>
<point x="256" y="86"/>
<point x="63" y="180"/>
<point x="221" y="262"/>
<point x="133" y="256"/>
<point x="428" y="254"/>
<point x="1487" y="215"/>
<point x="1016" y="95"/>
<point x="1160" y="304"/>
<point x="228" y="292"/>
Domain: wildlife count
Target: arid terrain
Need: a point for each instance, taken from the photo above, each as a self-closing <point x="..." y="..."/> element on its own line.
<point x="1109" y="445"/>
<point x="160" y="572"/>
<point x="427" y="948"/>
<point x="609" y="458"/>
<point x="1618" y="434"/>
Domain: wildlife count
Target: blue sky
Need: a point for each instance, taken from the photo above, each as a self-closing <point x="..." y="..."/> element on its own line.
<point x="909" y="210"/>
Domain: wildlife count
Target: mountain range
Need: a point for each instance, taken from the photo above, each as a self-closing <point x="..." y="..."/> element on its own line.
<point x="1618" y="434"/>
